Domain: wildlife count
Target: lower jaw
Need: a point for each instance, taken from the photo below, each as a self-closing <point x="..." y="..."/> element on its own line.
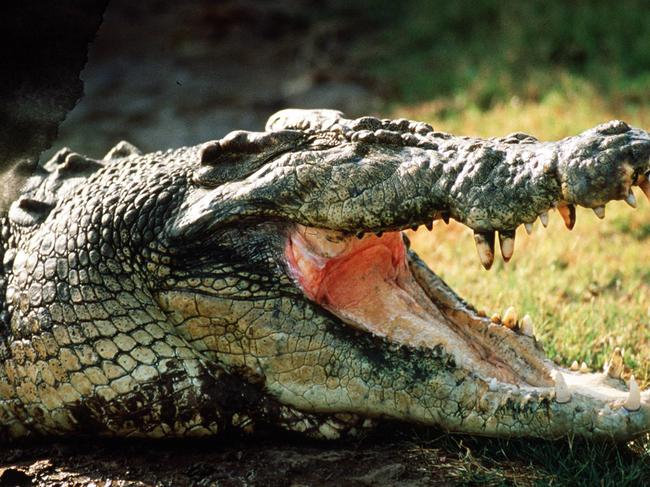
<point x="397" y="297"/>
<point x="377" y="286"/>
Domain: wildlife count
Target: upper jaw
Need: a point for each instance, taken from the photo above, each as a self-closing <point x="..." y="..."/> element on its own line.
<point x="387" y="175"/>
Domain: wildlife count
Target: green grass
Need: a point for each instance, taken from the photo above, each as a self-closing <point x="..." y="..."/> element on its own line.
<point x="482" y="52"/>
<point x="476" y="461"/>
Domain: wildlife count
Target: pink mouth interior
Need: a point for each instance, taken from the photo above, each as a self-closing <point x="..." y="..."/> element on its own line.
<point x="365" y="282"/>
<point x="368" y="284"/>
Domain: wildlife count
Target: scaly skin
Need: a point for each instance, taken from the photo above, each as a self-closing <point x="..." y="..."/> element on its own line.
<point x="150" y="295"/>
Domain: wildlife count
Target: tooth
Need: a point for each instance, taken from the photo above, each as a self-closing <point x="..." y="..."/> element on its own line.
<point x="599" y="211"/>
<point x="568" y="213"/>
<point x="633" y="401"/>
<point x="631" y="199"/>
<point x="645" y="187"/>
<point x="493" y="384"/>
<point x="527" y="327"/>
<point x="543" y="217"/>
<point x="529" y="228"/>
<point x="495" y="318"/>
<point x="584" y="368"/>
<point x="507" y="244"/>
<point x="562" y="393"/>
<point x="574" y="366"/>
<point x="485" y="248"/>
<point x="614" y="366"/>
<point x="481" y="313"/>
<point x="510" y="317"/>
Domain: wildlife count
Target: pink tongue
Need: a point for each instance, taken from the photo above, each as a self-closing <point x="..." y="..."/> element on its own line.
<point x="341" y="280"/>
<point x="369" y="292"/>
<point x="359" y="279"/>
<point x="369" y="285"/>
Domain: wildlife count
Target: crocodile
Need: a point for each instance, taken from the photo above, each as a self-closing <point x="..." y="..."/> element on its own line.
<point x="263" y="280"/>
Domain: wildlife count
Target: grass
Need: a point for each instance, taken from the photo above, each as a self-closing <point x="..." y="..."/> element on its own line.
<point x="475" y="461"/>
<point x="483" y="52"/>
<point x="587" y="291"/>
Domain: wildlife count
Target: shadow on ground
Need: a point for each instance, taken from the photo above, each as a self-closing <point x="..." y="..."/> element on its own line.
<point x="379" y="460"/>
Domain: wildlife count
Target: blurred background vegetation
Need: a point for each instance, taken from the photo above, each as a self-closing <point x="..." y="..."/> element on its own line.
<point x="452" y="61"/>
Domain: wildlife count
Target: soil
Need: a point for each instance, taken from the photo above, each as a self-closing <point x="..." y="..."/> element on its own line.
<point x="217" y="463"/>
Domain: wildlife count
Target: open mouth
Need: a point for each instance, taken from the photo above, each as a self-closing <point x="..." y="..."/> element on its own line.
<point x="342" y="191"/>
<point x="374" y="283"/>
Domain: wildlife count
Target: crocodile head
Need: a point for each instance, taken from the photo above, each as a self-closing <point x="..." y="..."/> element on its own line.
<point x="287" y="262"/>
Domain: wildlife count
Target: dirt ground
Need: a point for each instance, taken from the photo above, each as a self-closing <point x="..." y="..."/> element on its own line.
<point x="203" y="463"/>
<point x="395" y="455"/>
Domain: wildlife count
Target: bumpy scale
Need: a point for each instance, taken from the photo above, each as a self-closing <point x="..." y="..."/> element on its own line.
<point x="262" y="280"/>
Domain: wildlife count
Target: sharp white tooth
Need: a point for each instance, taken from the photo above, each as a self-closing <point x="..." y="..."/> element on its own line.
<point x="510" y="317"/>
<point x="493" y="384"/>
<point x="574" y="366"/>
<point x="529" y="228"/>
<point x="584" y="368"/>
<point x="631" y="199"/>
<point x="600" y="212"/>
<point x="507" y="244"/>
<point x="544" y="218"/>
<point x="527" y="326"/>
<point x="562" y="393"/>
<point x="633" y="401"/>
<point x="485" y="248"/>
<point x="645" y="187"/>
<point x="568" y="214"/>
<point x="614" y="366"/>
